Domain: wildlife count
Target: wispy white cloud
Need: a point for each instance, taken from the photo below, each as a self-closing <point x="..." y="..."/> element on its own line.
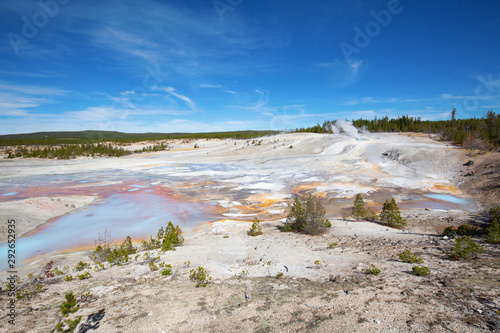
<point x="368" y="100"/>
<point x="31" y="90"/>
<point x="36" y="75"/>
<point x="21" y="100"/>
<point x="344" y="73"/>
<point x="450" y="96"/>
<point x="187" y="100"/>
<point x="206" y="85"/>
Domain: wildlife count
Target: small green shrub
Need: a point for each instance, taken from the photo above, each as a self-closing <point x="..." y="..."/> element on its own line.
<point x="118" y="257"/>
<point x="467" y="230"/>
<point x="187" y="263"/>
<point x="81" y="266"/>
<point x="269" y="264"/>
<point x="493" y="233"/>
<point x="463" y="230"/>
<point x="87" y="297"/>
<point x="243" y="274"/>
<point x="99" y="267"/>
<point x="420" y="271"/>
<point x="167" y="271"/>
<point x="450" y="232"/>
<point x="333" y="245"/>
<point x="22" y="294"/>
<point x="410" y="257"/>
<point x="255" y="229"/>
<point x="84" y="276"/>
<point x="68" y="277"/>
<point x="200" y="275"/>
<point x="319" y="263"/>
<point x="372" y="270"/>
<point x="464" y="248"/>
<point x="225" y="236"/>
<point x="57" y="271"/>
<point x="152" y="266"/>
<point x="68" y="307"/>
<point x="279" y="275"/>
<point x="101" y="253"/>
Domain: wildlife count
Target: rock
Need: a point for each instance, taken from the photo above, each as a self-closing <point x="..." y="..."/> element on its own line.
<point x="469" y="163"/>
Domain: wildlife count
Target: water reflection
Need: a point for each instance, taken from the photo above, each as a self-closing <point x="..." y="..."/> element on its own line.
<point x="137" y="214"/>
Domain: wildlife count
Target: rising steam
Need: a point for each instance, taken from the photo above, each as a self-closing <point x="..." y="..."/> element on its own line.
<point x="346" y="127"/>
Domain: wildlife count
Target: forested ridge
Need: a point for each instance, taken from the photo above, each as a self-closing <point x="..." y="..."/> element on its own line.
<point x="479" y="133"/>
<point x="66" y="145"/>
<point x="67" y="151"/>
<point x="85" y="137"/>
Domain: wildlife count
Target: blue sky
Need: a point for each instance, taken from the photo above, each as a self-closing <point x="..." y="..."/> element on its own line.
<point x="196" y="66"/>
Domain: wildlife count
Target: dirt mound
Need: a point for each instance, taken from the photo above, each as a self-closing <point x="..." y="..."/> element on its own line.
<point x="480" y="178"/>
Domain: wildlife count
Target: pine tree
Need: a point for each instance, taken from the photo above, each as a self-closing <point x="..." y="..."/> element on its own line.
<point x="255" y="229"/>
<point x="358" y="211"/>
<point x="127" y="246"/>
<point x="391" y="215"/>
<point x="67" y="308"/>
<point x="307" y="216"/>
<point x="493" y="232"/>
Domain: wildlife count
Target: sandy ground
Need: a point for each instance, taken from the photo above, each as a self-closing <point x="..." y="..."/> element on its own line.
<point x="334" y="295"/>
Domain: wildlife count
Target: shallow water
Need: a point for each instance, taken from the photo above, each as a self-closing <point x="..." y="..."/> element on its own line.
<point x="137" y="214"/>
<point x="9" y="194"/>
<point x="448" y="198"/>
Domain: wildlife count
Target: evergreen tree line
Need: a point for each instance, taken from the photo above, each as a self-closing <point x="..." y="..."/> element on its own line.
<point x="83" y="137"/>
<point x="65" y="152"/>
<point x="479" y="133"/>
<point x="160" y="147"/>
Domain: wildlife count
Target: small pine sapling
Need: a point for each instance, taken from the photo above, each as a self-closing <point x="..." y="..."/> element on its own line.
<point x="152" y="266"/>
<point x="243" y="274"/>
<point x="84" y="276"/>
<point x="200" y="275"/>
<point x="410" y="257"/>
<point x="68" y="307"/>
<point x="492" y="234"/>
<point x="420" y="270"/>
<point x="255" y="229"/>
<point x="167" y="271"/>
<point x="333" y="245"/>
<point x="81" y="266"/>
<point x="372" y="270"/>
<point x="464" y="248"/>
